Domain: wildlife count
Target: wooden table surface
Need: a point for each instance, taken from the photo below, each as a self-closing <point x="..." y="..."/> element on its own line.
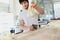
<point x="50" y="31"/>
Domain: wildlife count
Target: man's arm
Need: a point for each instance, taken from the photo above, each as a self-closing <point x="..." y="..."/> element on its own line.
<point x="35" y="6"/>
<point x="39" y="9"/>
<point x="23" y="27"/>
<point x="21" y="23"/>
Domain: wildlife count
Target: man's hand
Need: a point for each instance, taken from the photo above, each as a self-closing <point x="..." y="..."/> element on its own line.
<point x="30" y="28"/>
<point x="23" y="27"/>
<point x="34" y="4"/>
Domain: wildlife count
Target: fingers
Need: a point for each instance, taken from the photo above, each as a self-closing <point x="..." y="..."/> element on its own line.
<point x="31" y="28"/>
<point x="33" y="4"/>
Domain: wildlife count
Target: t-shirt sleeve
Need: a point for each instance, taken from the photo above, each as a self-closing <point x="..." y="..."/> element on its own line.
<point x="20" y="16"/>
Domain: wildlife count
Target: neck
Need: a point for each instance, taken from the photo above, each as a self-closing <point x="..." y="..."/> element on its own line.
<point x="26" y="8"/>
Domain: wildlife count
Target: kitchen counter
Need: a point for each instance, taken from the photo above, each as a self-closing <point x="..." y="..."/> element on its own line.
<point x="51" y="31"/>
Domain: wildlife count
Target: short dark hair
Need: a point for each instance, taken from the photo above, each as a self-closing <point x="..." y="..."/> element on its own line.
<point x="20" y="1"/>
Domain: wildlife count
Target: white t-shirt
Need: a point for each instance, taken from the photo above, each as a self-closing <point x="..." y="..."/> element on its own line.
<point x="28" y="21"/>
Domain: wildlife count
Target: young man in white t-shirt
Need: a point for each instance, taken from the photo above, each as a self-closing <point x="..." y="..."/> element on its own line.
<point x="24" y="21"/>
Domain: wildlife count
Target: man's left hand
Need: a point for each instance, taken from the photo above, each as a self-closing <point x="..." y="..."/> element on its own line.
<point x="34" y="4"/>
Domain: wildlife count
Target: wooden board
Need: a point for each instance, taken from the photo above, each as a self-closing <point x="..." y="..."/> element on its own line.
<point x="50" y="32"/>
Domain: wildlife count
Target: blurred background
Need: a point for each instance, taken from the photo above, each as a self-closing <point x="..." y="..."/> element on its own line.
<point x="9" y="11"/>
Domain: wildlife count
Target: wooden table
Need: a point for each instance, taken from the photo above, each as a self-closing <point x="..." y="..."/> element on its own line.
<point x="50" y="31"/>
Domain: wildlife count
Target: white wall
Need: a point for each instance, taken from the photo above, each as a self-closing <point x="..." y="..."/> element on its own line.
<point x="4" y="1"/>
<point x="6" y="15"/>
<point x="4" y="5"/>
<point x="6" y="21"/>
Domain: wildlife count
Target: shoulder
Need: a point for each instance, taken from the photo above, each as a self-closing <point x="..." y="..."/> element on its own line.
<point x="21" y="11"/>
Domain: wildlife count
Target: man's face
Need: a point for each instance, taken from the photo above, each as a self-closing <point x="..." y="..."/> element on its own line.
<point x="25" y="4"/>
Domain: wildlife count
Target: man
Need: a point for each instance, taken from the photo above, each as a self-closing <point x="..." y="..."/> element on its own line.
<point x="24" y="21"/>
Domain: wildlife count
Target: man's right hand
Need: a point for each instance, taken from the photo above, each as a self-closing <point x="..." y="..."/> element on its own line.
<point x="30" y="28"/>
